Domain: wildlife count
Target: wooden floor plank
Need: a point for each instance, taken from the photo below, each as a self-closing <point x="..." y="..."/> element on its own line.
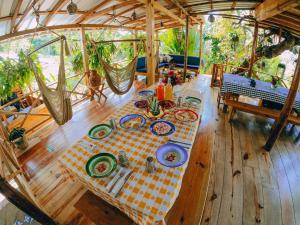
<point x="246" y="184"/>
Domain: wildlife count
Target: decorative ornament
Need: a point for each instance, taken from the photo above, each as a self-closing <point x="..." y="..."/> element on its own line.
<point x="72" y="8"/>
<point x="211" y="18"/>
<point x="134" y="16"/>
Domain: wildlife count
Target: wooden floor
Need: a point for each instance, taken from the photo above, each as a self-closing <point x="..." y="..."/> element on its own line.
<point x="246" y="184"/>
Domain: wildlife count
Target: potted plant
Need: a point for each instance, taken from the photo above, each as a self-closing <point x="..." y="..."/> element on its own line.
<point x="18" y="137"/>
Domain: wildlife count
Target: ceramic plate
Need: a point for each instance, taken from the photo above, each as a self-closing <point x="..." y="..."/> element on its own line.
<point x="166" y="104"/>
<point x="132" y="122"/>
<point x="193" y="100"/>
<point x="141" y="104"/>
<point x="186" y="115"/>
<point x="100" y="131"/>
<point x="162" y="128"/>
<point x="101" y="165"/>
<point x="171" y="155"/>
<point x="146" y="93"/>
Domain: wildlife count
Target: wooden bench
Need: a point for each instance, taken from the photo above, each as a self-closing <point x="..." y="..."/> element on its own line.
<point x="258" y="110"/>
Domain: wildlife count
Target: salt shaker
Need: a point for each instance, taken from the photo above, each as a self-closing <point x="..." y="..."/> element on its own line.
<point x="113" y="124"/>
<point x="123" y="160"/>
<point x="150" y="165"/>
<point x="179" y="100"/>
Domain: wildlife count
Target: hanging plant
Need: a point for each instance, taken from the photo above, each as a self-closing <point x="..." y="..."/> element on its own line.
<point x="234" y="39"/>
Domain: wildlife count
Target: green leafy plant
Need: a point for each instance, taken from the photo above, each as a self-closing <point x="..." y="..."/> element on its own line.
<point x="16" y="73"/>
<point x="16" y="133"/>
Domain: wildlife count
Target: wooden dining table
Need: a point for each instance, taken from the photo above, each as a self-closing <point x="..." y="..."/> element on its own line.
<point x="146" y="198"/>
<point x="239" y="85"/>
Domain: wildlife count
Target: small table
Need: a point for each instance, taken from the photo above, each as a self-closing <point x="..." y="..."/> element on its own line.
<point x="145" y="198"/>
<point x="239" y="85"/>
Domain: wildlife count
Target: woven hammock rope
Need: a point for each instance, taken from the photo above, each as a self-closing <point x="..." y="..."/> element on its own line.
<point x="57" y="100"/>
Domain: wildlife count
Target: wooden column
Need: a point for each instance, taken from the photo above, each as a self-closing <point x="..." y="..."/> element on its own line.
<point x="150" y="42"/>
<point x="186" y="47"/>
<point x="286" y="110"/>
<point x="134" y="43"/>
<point x="85" y="56"/>
<point x="16" y="198"/>
<point x="156" y="52"/>
<point x="200" y="46"/>
<point x="254" y="45"/>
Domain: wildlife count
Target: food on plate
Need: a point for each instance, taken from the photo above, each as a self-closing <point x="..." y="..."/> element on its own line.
<point x="101" y="133"/>
<point x="186" y="115"/>
<point x="161" y="128"/>
<point x="171" y="156"/>
<point x="141" y="104"/>
<point x="133" y="123"/>
<point x="101" y="167"/>
<point x="166" y="104"/>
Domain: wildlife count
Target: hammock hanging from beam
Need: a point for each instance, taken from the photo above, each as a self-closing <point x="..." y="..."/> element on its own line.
<point x="119" y="80"/>
<point x="57" y="100"/>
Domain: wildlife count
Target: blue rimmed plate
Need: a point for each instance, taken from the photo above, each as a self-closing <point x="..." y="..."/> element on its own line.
<point x="101" y="165"/>
<point x="162" y="128"/>
<point x="132" y="122"/>
<point x="146" y="93"/>
<point x="193" y="100"/>
<point x="171" y="155"/>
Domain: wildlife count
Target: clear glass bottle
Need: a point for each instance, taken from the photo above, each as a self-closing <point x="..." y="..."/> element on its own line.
<point x="150" y="165"/>
<point x="169" y="90"/>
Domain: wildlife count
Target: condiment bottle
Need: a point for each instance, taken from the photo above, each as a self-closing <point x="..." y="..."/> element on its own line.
<point x="169" y="90"/>
<point x="150" y="165"/>
<point x="160" y="91"/>
<point x="123" y="160"/>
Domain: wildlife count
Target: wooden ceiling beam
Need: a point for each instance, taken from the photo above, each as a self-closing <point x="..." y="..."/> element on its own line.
<point x="91" y="11"/>
<point x="26" y="12"/>
<point x="64" y="27"/>
<point x="270" y="8"/>
<point x="285" y="22"/>
<point x="157" y="6"/>
<point x="108" y="9"/>
<point x="123" y="12"/>
<point x="56" y="8"/>
<point x="15" y="15"/>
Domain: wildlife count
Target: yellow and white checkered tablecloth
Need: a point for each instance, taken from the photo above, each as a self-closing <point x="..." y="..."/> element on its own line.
<point x="145" y="198"/>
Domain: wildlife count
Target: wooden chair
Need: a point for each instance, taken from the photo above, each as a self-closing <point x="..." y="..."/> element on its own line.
<point x="96" y="86"/>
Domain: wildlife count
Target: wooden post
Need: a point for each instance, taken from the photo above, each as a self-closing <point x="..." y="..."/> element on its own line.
<point x="134" y="43"/>
<point x="200" y="46"/>
<point x="254" y="44"/>
<point x="150" y="42"/>
<point x="157" y="52"/>
<point x="16" y="198"/>
<point x="186" y="47"/>
<point x="286" y="110"/>
<point x="85" y="56"/>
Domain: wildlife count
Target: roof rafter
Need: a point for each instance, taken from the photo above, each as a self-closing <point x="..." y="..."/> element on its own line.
<point x="56" y="8"/>
<point x="123" y="12"/>
<point x="91" y="11"/>
<point x="26" y="12"/>
<point x="270" y="8"/>
<point x="108" y="9"/>
<point x="15" y="15"/>
<point x="157" y="6"/>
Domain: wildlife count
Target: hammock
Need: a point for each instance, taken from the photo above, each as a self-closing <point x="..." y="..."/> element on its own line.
<point x="119" y="80"/>
<point x="57" y="100"/>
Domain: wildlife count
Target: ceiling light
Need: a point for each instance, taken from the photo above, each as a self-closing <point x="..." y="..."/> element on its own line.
<point x="133" y="16"/>
<point x="161" y="23"/>
<point x="72" y="8"/>
<point x="211" y="18"/>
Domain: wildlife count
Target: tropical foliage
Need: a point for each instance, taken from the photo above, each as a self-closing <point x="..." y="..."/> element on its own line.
<point x="15" y="73"/>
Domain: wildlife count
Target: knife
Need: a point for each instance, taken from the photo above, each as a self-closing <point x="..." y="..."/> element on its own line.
<point x="119" y="185"/>
<point x="114" y="180"/>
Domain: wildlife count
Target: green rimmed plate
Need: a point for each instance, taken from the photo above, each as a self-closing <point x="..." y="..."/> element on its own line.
<point x="100" y="131"/>
<point x="193" y="100"/>
<point x="101" y="165"/>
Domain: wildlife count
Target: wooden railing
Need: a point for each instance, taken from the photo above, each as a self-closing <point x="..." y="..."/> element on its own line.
<point x="37" y="108"/>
